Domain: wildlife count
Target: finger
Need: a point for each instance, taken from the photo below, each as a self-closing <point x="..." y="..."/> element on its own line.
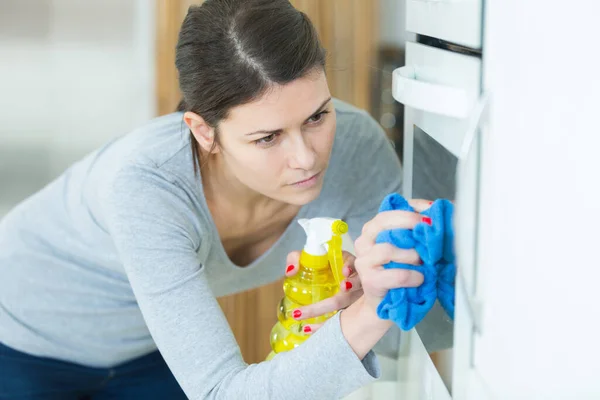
<point x="348" y="269"/>
<point x="395" y="278"/>
<point x="292" y="262"/>
<point x="348" y="257"/>
<point x="351" y="284"/>
<point x="329" y="305"/>
<point x="420" y="205"/>
<point x="309" y="329"/>
<point x="385" y="221"/>
<point x="384" y="253"/>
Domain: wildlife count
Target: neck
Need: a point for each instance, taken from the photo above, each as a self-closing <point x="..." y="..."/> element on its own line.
<point x="241" y="215"/>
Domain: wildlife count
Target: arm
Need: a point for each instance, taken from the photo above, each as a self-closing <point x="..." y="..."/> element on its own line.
<point x="151" y="222"/>
<point x="362" y="327"/>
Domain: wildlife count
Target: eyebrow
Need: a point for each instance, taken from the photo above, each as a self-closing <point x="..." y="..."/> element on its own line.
<point x="281" y="130"/>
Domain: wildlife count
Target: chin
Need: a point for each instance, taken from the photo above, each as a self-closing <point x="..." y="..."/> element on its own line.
<point x="304" y="197"/>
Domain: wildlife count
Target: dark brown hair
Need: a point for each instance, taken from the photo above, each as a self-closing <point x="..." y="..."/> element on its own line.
<point x="230" y="52"/>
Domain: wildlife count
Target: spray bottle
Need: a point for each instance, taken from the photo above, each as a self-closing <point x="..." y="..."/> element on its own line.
<point x="319" y="277"/>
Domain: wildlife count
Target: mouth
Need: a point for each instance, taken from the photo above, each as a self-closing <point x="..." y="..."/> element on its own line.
<point x="307" y="182"/>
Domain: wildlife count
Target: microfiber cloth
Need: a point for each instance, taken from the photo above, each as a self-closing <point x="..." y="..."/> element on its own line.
<point x="435" y="245"/>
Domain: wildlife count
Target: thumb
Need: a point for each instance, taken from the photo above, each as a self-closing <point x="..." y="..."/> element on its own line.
<point x="292" y="262"/>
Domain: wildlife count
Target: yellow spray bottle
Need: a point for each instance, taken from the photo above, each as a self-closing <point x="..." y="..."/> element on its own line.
<point x="319" y="277"/>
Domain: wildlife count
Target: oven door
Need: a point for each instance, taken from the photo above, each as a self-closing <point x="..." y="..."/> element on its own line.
<point x="440" y="90"/>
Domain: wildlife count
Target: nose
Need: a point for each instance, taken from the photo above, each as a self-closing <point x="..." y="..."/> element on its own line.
<point x="302" y="155"/>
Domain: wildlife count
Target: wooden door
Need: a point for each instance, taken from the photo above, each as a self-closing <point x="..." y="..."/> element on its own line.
<point x="348" y="32"/>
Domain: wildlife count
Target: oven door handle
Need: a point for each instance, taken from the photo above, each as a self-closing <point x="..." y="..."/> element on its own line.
<point x="434" y="98"/>
<point x="467" y="235"/>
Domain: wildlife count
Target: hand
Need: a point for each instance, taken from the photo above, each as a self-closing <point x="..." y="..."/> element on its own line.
<point x="376" y="281"/>
<point x="350" y="291"/>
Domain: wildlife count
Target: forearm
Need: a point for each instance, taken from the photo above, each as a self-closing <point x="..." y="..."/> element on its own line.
<point x="362" y="328"/>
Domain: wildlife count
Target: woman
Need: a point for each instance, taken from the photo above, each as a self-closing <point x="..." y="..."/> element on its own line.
<point x="124" y="254"/>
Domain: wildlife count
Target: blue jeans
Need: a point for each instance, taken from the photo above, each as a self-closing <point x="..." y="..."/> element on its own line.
<point x="23" y="376"/>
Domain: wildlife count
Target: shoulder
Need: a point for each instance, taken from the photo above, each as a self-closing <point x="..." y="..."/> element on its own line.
<point x="361" y="145"/>
<point x="145" y="180"/>
<point x="154" y="158"/>
<point x="156" y="227"/>
<point x="354" y="124"/>
<point x="153" y="143"/>
<point x="141" y="203"/>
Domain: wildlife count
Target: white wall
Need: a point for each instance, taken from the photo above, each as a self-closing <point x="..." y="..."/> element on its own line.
<point x="539" y="265"/>
<point x="73" y="75"/>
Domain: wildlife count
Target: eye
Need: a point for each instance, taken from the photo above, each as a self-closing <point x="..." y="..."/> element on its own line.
<point x="267" y="140"/>
<point x="315" y="119"/>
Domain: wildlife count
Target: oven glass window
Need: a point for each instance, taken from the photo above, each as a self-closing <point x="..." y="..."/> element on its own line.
<point x="434" y="168"/>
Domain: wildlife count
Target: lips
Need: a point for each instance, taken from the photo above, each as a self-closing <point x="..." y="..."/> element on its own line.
<point x="305" y="180"/>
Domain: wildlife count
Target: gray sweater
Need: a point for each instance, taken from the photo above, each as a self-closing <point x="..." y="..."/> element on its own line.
<point x="119" y="256"/>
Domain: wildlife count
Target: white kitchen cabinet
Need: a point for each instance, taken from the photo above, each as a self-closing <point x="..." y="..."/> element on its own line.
<point x="455" y="21"/>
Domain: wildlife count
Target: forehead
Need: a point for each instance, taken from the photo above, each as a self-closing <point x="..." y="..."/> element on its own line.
<point x="282" y="105"/>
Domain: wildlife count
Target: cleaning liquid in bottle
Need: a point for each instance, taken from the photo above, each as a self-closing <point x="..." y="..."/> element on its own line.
<point x="319" y="277"/>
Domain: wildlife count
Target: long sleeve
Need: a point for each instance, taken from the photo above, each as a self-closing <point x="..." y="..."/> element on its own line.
<point x="154" y="227"/>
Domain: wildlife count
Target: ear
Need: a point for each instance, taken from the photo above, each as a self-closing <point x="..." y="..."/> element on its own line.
<point x="204" y="133"/>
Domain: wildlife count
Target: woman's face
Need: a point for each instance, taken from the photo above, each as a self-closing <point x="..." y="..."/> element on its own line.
<point x="279" y="145"/>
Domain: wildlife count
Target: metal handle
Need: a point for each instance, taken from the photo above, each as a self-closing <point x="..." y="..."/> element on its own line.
<point x="427" y="96"/>
<point x="478" y="114"/>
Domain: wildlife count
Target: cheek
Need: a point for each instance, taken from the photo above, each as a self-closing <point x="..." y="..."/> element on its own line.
<point x="326" y="137"/>
<point x="259" y="165"/>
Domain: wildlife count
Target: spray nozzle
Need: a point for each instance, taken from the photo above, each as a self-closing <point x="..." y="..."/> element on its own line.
<point x="324" y="236"/>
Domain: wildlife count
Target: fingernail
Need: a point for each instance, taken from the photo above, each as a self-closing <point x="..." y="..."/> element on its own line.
<point x="289" y="269"/>
<point x="427" y="220"/>
<point x="421" y="262"/>
<point x="307" y="329"/>
<point x="348" y="285"/>
<point x="297" y="314"/>
<point x="431" y="202"/>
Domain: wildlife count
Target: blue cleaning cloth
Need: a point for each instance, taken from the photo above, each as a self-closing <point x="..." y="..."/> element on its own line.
<point x="446" y="266"/>
<point x="435" y="245"/>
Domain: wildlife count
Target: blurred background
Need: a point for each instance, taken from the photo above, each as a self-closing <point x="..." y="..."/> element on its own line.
<point x="75" y="74"/>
